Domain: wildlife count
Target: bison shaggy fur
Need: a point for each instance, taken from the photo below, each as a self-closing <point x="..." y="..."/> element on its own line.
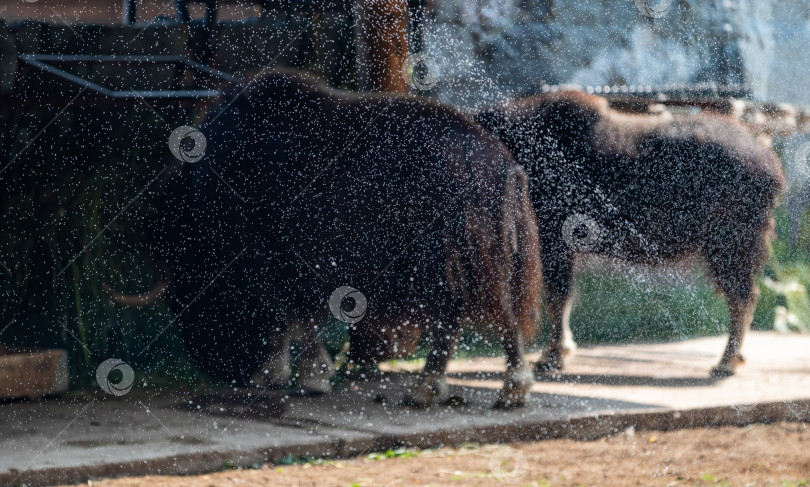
<point x="305" y="189"/>
<point x="645" y="189"/>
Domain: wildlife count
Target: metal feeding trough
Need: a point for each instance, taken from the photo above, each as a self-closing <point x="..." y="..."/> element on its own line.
<point x="49" y="64"/>
<point x="32" y="372"/>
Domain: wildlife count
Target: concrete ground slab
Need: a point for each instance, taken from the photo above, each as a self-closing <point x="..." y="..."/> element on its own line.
<point x="604" y="390"/>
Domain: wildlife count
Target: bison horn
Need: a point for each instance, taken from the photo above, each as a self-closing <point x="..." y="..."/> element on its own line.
<point x="158" y="290"/>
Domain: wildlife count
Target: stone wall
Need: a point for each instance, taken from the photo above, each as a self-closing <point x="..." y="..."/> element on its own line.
<point x="488" y="48"/>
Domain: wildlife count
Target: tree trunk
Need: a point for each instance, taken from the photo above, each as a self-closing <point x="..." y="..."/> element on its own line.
<point x="381" y="38"/>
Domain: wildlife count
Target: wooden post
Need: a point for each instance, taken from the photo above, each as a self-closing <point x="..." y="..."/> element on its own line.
<point x="381" y="38"/>
<point x="129" y="12"/>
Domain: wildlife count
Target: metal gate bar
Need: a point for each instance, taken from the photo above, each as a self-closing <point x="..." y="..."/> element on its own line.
<point x="41" y="61"/>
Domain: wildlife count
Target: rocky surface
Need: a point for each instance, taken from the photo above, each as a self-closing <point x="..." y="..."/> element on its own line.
<point x="494" y="47"/>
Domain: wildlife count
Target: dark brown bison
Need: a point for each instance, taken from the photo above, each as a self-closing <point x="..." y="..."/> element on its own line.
<point x="394" y="214"/>
<point x="644" y="188"/>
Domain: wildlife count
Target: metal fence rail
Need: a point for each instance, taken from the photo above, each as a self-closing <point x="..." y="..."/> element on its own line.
<point x="45" y="62"/>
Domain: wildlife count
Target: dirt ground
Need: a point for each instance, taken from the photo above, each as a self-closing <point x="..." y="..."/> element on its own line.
<point x="756" y="455"/>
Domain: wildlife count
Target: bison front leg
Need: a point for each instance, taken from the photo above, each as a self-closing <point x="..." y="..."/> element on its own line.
<point x="557" y="276"/>
<point x="741" y="311"/>
<point x="317" y="368"/>
<point x="276" y="371"/>
<point x="561" y="341"/>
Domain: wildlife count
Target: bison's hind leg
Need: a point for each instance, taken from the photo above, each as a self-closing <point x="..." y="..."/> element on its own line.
<point x="741" y="310"/>
<point x="735" y="260"/>
<point x="442" y="336"/>
<point x="519" y="378"/>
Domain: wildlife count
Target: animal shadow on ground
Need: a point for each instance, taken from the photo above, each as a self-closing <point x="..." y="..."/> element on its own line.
<point x="601" y="379"/>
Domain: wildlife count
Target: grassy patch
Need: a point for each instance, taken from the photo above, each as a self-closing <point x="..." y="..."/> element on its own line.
<point x="398" y="453"/>
<point x="621" y="309"/>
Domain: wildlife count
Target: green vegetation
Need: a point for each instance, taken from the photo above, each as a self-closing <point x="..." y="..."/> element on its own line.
<point x="622" y="309"/>
<point x="73" y="219"/>
<point x="398" y="453"/>
<point x="790" y="483"/>
<point x="304" y="460"/>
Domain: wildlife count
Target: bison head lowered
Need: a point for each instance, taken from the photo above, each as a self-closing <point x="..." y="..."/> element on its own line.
<point x="305" y="190"/>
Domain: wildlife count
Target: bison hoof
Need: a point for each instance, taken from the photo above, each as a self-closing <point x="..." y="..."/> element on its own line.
<point x="274" y="373"/>
<point x="516" y="388"/>
<point x="552" y="361"/>
<point x="429" y="389"/>
<point x="316" y="385"/>
<point x="314" y="375"/>
<point x="263" y="379"/>
<point x="727" y="366"/>
<point x="569" y="346"/>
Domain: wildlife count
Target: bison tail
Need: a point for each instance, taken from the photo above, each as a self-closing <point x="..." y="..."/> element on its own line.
<point x="526" y="276"/>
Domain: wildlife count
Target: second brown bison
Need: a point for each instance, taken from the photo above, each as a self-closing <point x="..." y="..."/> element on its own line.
<point x="646" y="189"/>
